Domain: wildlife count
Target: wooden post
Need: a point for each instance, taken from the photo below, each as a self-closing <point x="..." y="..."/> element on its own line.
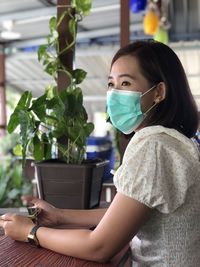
<point x="66" y="58"/>
<point x="2" y="95"/>
<point x="124" y="40"/>
<point x="124" y="22"/>
<point x="64" y="34"/>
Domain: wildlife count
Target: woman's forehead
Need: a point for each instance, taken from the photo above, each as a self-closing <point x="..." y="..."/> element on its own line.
<point x="127" y="65"/>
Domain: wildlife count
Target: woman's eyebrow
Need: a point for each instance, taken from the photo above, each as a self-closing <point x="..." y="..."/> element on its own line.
<point x="127" y="75"/>
<point x="123" y="75"/>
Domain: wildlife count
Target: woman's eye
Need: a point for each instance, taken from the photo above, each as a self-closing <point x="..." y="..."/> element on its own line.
<point x="110" y="85"/>
<point x="125" y="83"/>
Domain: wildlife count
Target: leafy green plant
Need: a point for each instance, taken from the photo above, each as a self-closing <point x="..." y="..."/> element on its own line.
<point x="55" y="115"/>
<point x="12" y="182"/>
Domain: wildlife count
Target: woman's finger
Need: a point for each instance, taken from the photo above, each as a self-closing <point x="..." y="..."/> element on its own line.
<point x="7" y="216"/>
<point x="28" y="199"/>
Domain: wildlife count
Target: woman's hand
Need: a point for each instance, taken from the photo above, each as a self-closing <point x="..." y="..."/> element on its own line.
<point x="16" y="226"/>
<point x="48" y="215"/>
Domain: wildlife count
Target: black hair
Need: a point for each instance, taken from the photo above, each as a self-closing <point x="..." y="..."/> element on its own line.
<point x="159" y="63"/>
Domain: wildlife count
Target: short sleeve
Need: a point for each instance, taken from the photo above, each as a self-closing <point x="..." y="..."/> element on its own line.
<point x="155" y="174"/>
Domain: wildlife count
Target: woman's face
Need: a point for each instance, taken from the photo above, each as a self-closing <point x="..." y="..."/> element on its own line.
<point x="125" y="74"/>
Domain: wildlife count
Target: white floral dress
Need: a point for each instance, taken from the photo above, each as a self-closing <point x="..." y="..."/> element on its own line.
<point x="161" y="169"/>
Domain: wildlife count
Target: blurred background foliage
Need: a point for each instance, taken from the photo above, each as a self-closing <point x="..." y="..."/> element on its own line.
<point x="12" y="182"/>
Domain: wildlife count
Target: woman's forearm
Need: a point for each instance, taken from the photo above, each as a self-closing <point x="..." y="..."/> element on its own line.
<point x="76" y="243"/>
<point x="80" y="217"/>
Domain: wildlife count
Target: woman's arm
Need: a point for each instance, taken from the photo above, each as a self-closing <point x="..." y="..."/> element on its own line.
<point x="118" y="226"/>
<point x="120" y="223"/>
<point x="85" y="218"/>
<point x="51" y="216"/>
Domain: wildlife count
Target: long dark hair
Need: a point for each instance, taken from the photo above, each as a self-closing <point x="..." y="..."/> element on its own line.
<point x="159" y="63"/>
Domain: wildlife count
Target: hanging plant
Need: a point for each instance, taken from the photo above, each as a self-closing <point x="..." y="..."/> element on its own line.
<point x="55" y="115"/>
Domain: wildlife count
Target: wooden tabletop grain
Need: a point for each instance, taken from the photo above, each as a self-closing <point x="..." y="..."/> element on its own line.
<point x="20" y="254"/>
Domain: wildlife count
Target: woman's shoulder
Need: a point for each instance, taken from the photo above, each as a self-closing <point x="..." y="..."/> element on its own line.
<point x="151" y="135"/>
<point x="157" y="137"/>
<point x="158" y="131"/>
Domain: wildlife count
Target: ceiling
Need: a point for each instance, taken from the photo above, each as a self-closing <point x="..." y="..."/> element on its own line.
<point x="30" y="18"/>
<point x="98" y="39"/>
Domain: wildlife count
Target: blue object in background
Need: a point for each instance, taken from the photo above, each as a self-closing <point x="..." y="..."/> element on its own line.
<point x="137" y="5"/>
<point x="101" y="147"/>
<point x="196" y="139"/>
<point x="197" y="135"/>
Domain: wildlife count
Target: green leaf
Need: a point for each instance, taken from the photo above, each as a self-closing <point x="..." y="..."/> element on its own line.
<point x="49" y="90"/>
<point x="60" y="130"/>
<point x="25" y="100"/>
<point x="72" y="27"/>
<point x="17" y="150"/>
<point x="38" y="149"/>
<point x="52" y="24"/>
<point x="83" y="6"/>
<point x="55" y="36"/>
<point x="47" y="146"/>
<point x="89" y="128"/>
<point x="83" y="114"/>
<point x="26" y="128"/>
<point x="23" y="104"/>
<point x="79" y="75"/>
<point x="13" y="122"/>
<point x="42" y="51"/>
<point x="79" y="97"/>
<point x="75" y="102"/>
<point x="51" y="67"/>
<point x="58" y="108"/>
<point x="39" y="107"/>
<point x="74" y="132"/>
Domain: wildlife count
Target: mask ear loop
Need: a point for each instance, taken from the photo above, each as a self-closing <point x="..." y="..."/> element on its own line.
<point x="156" y="103"/>
<point x="149" y="90"/>
<point x="145" y="113"/>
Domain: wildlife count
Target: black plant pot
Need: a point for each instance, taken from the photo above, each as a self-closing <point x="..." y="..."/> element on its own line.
<point x="70" y="186"/>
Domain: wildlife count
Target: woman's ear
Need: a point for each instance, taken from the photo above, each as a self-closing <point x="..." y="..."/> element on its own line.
<point x="160" y="92"/>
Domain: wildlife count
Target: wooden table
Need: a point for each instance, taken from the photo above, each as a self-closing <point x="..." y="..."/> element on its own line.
<point x="20" y="254"/>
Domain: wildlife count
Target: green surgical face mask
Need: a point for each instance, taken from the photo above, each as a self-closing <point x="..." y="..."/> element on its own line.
<point x="124" y="109"/>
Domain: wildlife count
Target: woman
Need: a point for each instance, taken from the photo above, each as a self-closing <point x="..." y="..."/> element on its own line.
<point x="158" y="183"/>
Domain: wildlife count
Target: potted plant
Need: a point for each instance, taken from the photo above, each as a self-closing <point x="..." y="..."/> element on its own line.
<point x="55" y="126"/>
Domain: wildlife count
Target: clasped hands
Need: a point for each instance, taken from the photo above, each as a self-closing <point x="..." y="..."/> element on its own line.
<point x="18" y="227"/>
